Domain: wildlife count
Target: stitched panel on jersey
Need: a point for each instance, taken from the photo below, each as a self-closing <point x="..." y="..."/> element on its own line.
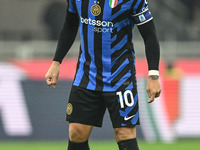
<point x="117" y="53"/>
<point x="123" y="72"/>
<point x="120" y="35"/>
<point x="125" y="84"/>
<point x="119" y="61"/>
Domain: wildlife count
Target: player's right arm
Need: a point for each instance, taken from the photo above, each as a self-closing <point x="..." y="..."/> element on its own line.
<point x="66" y="39"/>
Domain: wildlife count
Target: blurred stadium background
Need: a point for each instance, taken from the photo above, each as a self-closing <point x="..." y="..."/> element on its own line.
<point x="32" y="115"/>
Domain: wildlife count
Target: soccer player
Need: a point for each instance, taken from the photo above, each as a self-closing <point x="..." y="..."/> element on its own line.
<point x="106" y="76"/>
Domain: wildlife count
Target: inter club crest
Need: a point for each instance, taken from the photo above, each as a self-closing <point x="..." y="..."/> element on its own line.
<point x="113" y="3"/>
<point x="69" y="108"/>
<point x="96" y="10"/>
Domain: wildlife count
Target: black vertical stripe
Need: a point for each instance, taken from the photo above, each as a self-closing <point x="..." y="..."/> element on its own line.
<point x="98" y="51"/>
<point x="84" y="12"/>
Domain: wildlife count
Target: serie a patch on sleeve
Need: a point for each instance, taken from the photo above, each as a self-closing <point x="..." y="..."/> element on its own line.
<point x="143" y="17"/>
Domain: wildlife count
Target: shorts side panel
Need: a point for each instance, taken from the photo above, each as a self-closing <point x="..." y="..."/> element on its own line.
<point x="123" y="107"/>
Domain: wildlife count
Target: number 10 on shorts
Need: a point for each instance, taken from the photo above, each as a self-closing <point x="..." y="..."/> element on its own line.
<point x="126" y="94"/>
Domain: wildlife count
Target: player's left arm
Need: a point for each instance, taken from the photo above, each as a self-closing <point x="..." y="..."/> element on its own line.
<point x="144" y="20"/>
<point x="152" y="50"/>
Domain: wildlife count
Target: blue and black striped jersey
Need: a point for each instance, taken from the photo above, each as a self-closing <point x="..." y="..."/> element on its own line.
<point x="106" y="61"/>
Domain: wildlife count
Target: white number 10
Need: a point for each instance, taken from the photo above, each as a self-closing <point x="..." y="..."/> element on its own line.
<point x="126" y="94"/>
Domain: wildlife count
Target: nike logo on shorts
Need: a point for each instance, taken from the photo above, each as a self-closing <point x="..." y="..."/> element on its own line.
<point x="127" y="118"/>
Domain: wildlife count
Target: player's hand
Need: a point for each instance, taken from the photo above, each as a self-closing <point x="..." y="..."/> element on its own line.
<point x="51" y="76"/>
<point x="153" y="88"/>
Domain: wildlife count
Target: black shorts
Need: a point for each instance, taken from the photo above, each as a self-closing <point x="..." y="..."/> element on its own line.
<point x="88" y="107"/>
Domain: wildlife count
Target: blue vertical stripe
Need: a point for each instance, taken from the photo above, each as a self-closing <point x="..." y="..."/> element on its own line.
<point x="106" y="49"/>
<point x="93" y="69"/>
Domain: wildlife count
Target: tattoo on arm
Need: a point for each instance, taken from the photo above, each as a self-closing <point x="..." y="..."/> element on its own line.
<point x="154" y="77"/>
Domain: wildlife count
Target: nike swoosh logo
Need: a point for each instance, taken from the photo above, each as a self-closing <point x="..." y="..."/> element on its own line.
<point x="127" y="118"/>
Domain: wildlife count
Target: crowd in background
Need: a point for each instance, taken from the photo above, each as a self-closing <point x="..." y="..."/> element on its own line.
<point x="175" y="20"/>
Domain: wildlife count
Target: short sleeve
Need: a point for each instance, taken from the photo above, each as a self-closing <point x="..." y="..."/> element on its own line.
<point x="141" y="13"/>
<point x="71" y="6"/>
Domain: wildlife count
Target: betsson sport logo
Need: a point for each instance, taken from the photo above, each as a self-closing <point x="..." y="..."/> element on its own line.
<point x="100" y="26"/>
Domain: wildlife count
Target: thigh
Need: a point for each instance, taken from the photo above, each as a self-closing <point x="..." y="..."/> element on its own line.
<point x="85" y="107"/>
<point x="123" y="107"/>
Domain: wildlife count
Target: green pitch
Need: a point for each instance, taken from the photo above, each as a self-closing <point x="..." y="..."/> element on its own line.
<point x="100" y="145"/>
